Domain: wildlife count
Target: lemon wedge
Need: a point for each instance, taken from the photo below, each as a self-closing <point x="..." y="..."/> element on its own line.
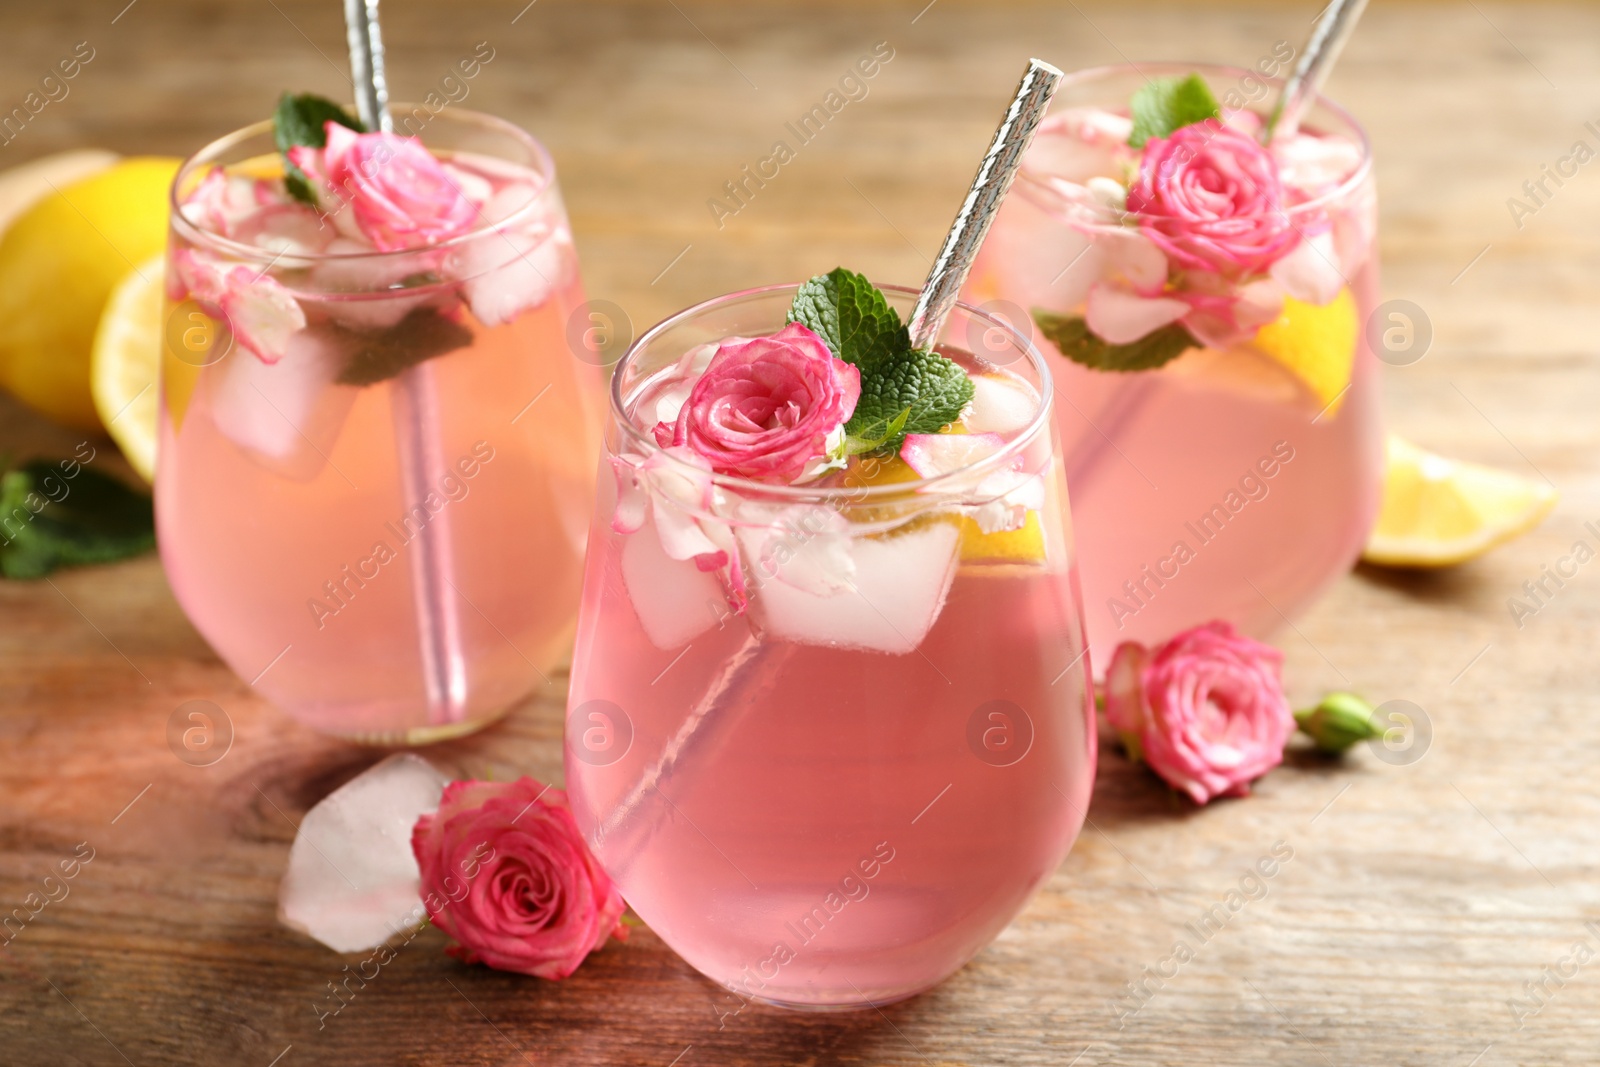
<point x="125" y="362"/>
<point x="1438" y="512"/>
<point x="59" y="261"/>
<point x="1316" y="344"/>
<point x="1022" y="545"/>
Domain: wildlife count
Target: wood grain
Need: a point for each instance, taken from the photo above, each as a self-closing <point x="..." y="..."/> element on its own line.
<point x="1419" y="898"/>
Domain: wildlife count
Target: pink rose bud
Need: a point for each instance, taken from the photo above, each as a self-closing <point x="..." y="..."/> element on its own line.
<point x="1206" y="710"/>
<point x="765" y="407"/>
<point x="1210" y="198"/>
<point x="506" y="874"/>
<point x="396" y="191"/>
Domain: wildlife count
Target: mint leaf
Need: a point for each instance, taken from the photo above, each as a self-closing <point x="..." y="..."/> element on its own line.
<point x="922" y="391"/>
<point x="377" y="355"/>
<point x="1166" y="104"/>
<point x="902" y="391"/>
<point x="50" y="520"/>
<point x="303" y="120"/>
<point x="873" y="437"/>
<point x="852" y="318"/>
<point x="1071" y="335"/>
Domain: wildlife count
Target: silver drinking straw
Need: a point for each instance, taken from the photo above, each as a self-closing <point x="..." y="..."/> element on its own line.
<point x="999" y="167"/>
<point x="416" y="433"/>
<point x="1333" y="29"/>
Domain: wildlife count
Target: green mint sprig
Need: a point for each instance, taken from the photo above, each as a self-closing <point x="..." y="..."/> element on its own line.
<point x="1071" y="334"/>
<point x="49" y="519"/>
<point x="302" y="120"/>
<point x="1166" y="104"/>
<point x="903" y="390"/>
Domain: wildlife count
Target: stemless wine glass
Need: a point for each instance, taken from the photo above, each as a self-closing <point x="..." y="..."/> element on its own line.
<point x="1239" y="480"/>
<point x="378" y="519"/>
<point x="829" y="770"/>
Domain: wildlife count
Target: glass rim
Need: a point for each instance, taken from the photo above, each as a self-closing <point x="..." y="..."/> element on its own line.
<point x="544" y="167"/>
<point x="1040" y="422"/>
<point x="1349" y="184"/>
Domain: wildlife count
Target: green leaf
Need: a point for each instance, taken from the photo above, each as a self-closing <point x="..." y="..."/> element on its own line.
<point x="302" y="120"/>
<point x="1166" y="104"/>
<point x="1072" y="336"/>
<point x="852" y="318"/>
<point x="50" y="519"/>
<point x="377" y="355"/>
<point x="922" y="392"/>
<point x="902" y="391"/>
<point x="875" y="436"/>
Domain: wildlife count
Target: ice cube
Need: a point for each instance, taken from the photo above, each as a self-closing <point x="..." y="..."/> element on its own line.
<point x="900" y="584"/>
<point x="360" y="289"/>
<point x="675" y="600"/>
<point x="352" y="880"/>
<point x="513" y="270"/>
<point x="1001" y="403"/>
<point x="288" y="414"/>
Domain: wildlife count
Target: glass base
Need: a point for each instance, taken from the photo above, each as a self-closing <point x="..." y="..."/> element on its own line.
<point x="835" y="1008"/>
<point x="421" y="735"/>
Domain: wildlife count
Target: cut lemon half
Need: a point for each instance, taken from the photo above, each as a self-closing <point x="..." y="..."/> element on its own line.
<point x="125" y="361"/>
<point x="1438" y="512"/>
<point x="59" y="261"/>
<point x="1316" y="344"/>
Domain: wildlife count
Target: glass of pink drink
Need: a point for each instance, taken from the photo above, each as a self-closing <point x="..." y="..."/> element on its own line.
<point x="828" y="762"/>
<point x="1240" y="478"/>
<point x="375" y="471"/>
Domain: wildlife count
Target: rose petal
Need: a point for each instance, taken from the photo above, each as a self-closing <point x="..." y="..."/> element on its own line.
<point x="1120" y="317"/>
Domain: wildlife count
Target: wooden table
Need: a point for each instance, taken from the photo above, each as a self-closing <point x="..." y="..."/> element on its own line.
<point x="1420" y="898"/>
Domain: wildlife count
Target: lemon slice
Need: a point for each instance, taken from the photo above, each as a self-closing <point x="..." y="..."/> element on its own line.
<point x="1438" y="512"/>
<point x="1317" y="344"/>
<point x="1022" y="545"/>
<point x="124" y="364"/>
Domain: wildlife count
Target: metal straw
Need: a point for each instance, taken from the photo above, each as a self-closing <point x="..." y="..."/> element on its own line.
<point x="416" y="433"/>
<point x="1321" y="52"/>
<point x="999" y="167"/>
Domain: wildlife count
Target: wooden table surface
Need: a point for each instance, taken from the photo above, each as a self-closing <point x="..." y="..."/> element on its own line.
<point x="1422" y="899"/>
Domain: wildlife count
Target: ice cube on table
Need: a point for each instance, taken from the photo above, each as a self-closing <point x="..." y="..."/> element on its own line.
<point x="287" y="414"/>
<point x="899" y="587"/>
<point x="352" y="880"/>
<point x="675" y="600"/>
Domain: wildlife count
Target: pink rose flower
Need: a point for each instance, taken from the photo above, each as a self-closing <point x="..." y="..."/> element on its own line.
<point x="1206" y="710"/>
<point x="397" y="192"/>
<point x="506" y="874"/>
<point x="1209" y="196"/>
<point x="765" y="406"/>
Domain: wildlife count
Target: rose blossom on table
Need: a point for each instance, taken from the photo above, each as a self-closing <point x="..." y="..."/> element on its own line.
<point x="398" y="195"/>
<point x="1206" y="710"/>
<point x="767" y="408"/>
<point x="506" y="874"/>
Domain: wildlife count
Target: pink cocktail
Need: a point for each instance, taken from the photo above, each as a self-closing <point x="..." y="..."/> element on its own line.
<point x="1238" y="478"/>
<point x="828" y="761"/>
<point x="375" y="471"/>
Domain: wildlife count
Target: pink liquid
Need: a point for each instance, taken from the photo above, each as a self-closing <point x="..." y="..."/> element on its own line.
<point x="286" y="535"/>
<point x="822" y="826"/>
<point x="1178" y="518"/>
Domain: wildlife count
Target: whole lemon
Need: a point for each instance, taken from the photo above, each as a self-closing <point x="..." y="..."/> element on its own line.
<point x="58" y="264"/>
